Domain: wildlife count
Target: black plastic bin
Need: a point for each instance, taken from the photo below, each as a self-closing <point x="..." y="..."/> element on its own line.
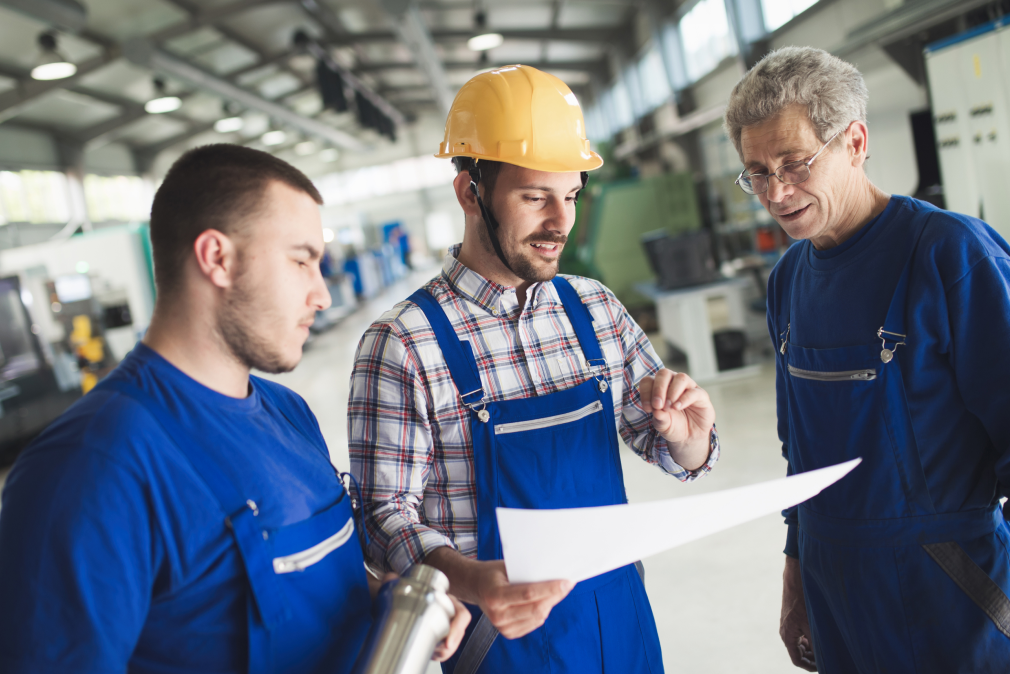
<point x="729" y="348"/>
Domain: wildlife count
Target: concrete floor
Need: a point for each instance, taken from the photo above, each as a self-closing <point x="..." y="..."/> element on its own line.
<point x="716" y="600"/>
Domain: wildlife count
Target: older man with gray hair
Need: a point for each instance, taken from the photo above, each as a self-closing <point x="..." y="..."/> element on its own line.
<point x="891" y="321"/>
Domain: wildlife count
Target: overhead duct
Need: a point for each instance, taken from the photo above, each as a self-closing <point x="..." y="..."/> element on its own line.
<point x="142" y="53"/>
<point x="68" y="15"/>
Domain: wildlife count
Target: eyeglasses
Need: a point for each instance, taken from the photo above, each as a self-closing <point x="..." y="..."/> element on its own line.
<point x="792" y="173"/>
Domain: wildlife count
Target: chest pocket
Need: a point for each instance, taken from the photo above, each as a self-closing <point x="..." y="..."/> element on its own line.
<point x="567" y="371"/>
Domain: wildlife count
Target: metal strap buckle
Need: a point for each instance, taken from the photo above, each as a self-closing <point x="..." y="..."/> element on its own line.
<point x="886" y="355"/>
<point x="482" y="413"/>
<point x="600" y="373"/>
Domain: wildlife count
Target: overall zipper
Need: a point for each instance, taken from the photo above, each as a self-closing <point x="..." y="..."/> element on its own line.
<point x="300" y="561"/>
<point x="844" y="375"/>
<point x="546" y="422"/>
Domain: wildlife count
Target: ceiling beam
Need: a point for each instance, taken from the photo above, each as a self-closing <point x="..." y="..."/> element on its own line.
<point x="67" y="15"/>
<point x="589" y="66"/>
<point x="448" y="5"/>
<point x="144" y="155"/>
<point x="199" y="18"/>
<point x="27" y="90"/>
<point x="410" y="28"/>
<point x="144" y="54"/>
<point x="105" y="132"/>
<point x="217" y="22"/>
<point x="596" y="35"/>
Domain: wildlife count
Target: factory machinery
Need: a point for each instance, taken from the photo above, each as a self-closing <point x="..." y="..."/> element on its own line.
<point x="969" y="81"/>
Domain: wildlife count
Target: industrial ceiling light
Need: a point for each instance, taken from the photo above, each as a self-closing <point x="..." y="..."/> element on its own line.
<point x="328" y="155"/>
<point x="305" y="148"/>
<point x="271" y="138"/>
<point x="483" y="40"/>
<point x="229" y="124"/>
<point x="51" y="64"/>
<point x="162" y="103"/>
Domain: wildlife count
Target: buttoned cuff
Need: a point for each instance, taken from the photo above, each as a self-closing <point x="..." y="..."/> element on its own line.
<point x="685" y="475"/>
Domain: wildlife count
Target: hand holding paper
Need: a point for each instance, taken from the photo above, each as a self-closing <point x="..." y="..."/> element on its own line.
<point x="579" y="543"/>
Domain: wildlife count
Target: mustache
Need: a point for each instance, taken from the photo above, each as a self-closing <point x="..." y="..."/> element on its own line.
<point x="546" y="238"/>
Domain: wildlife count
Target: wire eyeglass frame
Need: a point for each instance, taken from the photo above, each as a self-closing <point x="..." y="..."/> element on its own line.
<point x="744" y="179"/>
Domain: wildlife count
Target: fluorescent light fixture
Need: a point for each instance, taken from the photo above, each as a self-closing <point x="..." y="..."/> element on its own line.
<point x="485" y="41"/>
<point x="329" y="155"/>
<point x="82" y="267"/>
<point x="273" y="137"/>
<point x="306" y="147"/>
<point x="51" y="64"/>
<point x="158" y="106"/>
<point x="327" y="235"/>
<point x="53" y="71"/>
<point x="228" y="124"/>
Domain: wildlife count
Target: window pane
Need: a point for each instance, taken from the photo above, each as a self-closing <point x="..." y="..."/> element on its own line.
<point x="34" y="196"/>
<point x="116" y="198"/>
<point x="706" y="37"/>
<point x="778" y="12"/>
<point x="653" y="80"/>
<point x="620" y="105"/>
<point x="405" y="175"/>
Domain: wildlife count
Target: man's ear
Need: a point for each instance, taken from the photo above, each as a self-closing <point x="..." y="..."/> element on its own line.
<point x="216" y="257"/>
<point x="859" y="143"/>
<point x="467" y="201"/>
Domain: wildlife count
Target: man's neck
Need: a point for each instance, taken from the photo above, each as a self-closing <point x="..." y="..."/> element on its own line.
<point x="191" y="342"/>
<point x="476" y="259"/>
<point x="867" y="202"/>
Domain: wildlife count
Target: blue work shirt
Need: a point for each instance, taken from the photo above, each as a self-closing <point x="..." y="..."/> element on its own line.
<point x="957" y="368"/>
<point x="114" y="554"/>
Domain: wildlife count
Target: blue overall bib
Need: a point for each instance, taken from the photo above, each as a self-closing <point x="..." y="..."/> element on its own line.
<point x="554" y="451"/>
<point x="309" y="608"/>
<point x="891" y="585"/>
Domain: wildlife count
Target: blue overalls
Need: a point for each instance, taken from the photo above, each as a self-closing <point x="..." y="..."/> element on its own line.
<point x="891" y="585"/>
<point x="309" y="608"/>
<point x="554" y="451"/>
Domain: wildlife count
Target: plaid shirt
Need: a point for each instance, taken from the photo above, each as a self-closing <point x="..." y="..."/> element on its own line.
<point x="409" y="434"/>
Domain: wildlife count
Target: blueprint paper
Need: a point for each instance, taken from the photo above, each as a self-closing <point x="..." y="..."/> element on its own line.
<point x="579" y="543"/>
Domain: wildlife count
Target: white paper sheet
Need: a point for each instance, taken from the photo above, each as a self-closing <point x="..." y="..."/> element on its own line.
<point x="579" y="543"/>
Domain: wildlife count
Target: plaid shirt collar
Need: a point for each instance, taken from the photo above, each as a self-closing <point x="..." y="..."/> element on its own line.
<point x="486" y="293"/>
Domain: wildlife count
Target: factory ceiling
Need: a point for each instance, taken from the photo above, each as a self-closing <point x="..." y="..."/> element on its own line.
<point x="227" y="58"/>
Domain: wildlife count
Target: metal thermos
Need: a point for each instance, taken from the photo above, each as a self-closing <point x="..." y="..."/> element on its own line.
<point x="412" y="615"/>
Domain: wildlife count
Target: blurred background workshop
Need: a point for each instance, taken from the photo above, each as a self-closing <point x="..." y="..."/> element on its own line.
<point x="99" y="97"/>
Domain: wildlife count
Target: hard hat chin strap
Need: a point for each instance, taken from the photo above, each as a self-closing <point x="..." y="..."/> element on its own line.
<point x="489" y="221"/>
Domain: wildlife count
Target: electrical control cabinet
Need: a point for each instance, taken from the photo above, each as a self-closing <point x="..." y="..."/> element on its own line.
<point x="969" y="80"/>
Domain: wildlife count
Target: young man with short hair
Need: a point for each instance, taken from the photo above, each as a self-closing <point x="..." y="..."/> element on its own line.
<point x="184" y="516"/>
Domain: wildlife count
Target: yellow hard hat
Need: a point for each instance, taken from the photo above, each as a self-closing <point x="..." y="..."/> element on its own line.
<point x="519" y="115"/>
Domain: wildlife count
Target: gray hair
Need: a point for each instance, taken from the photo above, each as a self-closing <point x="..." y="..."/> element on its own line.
<point x="832" y="90"/>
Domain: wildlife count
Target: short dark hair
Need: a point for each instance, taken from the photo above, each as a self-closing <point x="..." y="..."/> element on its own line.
<point x="489" y="171"/>
<point x="211" y="187"/>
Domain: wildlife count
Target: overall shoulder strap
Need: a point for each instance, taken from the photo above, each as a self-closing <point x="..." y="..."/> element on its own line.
<point x="894" y="322"/>
<point x="457" y="353"/>
<point x="581" y="319"/>
<point x="240" y="513"/>
<point x="789" y="265"/>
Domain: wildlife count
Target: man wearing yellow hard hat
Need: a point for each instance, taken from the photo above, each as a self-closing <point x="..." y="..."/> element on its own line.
<point x="501" y="383"/>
